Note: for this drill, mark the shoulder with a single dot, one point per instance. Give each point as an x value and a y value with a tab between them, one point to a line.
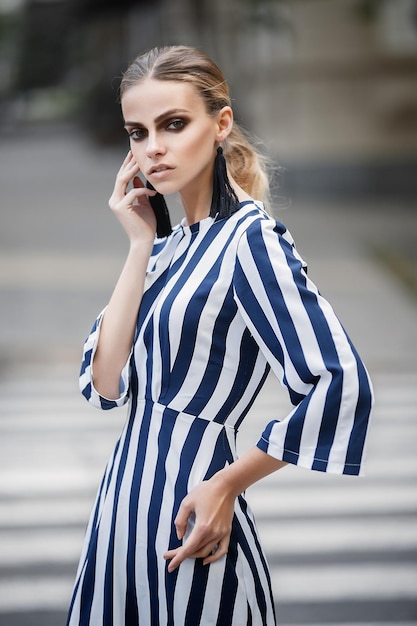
250	219
263	235
257	222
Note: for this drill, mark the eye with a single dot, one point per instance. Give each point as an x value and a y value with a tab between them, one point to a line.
138	134
176	124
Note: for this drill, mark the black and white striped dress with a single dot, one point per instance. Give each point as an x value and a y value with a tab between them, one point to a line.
225	301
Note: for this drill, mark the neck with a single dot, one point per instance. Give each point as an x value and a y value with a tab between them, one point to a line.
196	204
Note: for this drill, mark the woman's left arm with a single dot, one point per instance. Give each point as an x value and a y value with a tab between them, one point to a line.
311	355
309	352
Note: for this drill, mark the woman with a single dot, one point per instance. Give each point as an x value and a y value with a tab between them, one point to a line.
195	323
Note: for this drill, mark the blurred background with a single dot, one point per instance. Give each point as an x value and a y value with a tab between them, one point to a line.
330	89
328	84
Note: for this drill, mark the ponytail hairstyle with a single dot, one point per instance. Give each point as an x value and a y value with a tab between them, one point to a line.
245	163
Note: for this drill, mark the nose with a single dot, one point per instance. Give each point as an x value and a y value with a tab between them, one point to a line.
154	145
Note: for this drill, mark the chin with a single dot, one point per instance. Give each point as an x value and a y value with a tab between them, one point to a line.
166	188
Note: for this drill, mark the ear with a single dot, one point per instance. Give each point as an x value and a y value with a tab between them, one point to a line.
224	123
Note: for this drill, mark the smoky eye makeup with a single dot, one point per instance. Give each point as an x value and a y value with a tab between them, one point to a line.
137	134
177	124
170	121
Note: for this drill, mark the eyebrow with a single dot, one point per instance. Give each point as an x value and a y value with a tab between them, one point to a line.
161	117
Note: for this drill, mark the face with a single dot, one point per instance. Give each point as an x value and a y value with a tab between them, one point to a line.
172	137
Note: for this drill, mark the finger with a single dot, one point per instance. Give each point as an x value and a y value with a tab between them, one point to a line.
123	178
217	551
174	556
129	160
128	163
196	546
183	518
178	555
126	160
136	193
202	551
126	175
170	554
210	552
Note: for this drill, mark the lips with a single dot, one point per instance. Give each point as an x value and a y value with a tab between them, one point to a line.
159	169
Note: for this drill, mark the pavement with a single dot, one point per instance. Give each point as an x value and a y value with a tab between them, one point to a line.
342	550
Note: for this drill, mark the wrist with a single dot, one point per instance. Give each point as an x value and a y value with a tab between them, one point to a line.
228	481
254	465
141	249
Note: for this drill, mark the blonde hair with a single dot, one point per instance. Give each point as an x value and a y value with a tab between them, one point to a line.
245	163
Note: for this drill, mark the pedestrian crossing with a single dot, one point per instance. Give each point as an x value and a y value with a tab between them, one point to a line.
342	550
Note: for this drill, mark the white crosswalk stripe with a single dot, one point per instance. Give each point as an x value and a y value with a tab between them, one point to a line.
342	550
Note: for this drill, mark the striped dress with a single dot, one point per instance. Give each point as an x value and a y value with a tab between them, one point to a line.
225	301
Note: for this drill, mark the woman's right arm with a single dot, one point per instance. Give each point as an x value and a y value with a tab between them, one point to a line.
119	321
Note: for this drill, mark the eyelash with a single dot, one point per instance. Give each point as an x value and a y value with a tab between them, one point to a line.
178	124
134	135
175	125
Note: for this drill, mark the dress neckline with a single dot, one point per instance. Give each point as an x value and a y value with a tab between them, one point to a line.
197	227
205	223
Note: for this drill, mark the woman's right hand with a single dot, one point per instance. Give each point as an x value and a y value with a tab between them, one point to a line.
132	208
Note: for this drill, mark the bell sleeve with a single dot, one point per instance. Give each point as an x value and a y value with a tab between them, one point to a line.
86	374
308	351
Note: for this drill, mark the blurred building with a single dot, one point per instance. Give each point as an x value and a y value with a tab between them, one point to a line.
329	85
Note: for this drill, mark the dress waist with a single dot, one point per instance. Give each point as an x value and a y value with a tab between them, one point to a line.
170	413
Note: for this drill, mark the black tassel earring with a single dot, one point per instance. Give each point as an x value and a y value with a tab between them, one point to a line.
225	201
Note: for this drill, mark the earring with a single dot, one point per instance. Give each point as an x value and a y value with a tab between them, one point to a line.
225	201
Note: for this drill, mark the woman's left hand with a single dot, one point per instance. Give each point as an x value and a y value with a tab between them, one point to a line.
212	508
212	503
